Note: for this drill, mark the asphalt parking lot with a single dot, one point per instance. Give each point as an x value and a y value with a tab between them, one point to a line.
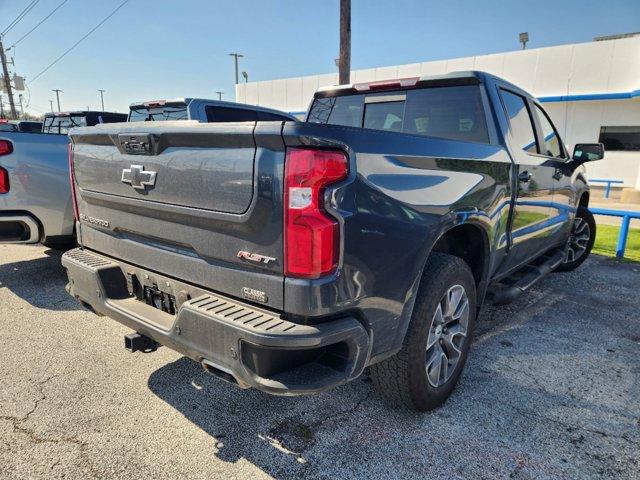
552	390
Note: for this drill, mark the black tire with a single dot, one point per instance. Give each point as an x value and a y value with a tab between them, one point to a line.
584	218
403	378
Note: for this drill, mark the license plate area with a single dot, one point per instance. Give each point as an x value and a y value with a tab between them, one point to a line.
156	298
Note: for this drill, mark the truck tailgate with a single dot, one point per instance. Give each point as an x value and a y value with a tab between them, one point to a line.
186	199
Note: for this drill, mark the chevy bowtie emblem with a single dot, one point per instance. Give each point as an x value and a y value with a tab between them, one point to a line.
138	178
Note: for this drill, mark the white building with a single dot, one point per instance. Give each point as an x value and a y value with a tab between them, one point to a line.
591	90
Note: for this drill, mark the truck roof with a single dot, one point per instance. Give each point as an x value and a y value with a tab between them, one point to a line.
80	112
475	76
208	101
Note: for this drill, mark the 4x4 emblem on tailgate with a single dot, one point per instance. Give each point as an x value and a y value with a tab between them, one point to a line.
138	178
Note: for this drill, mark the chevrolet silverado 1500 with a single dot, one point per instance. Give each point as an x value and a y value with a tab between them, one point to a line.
289	256
202	110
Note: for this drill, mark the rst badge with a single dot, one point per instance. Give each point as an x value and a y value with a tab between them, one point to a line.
255	257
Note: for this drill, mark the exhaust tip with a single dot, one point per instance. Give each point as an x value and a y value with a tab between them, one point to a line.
222	373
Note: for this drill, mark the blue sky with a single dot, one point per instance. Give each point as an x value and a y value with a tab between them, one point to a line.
162	49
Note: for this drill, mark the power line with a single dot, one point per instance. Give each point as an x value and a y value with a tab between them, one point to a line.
20	16
79	41
39	23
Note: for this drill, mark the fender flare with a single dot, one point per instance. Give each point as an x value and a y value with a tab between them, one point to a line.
451	222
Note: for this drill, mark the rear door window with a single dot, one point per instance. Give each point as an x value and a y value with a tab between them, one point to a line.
520	122
271	117
224	114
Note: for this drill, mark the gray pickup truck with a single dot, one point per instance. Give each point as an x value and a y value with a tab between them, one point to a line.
202	110
289	256
37	205
35	200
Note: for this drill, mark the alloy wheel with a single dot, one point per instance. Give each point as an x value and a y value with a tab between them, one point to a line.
578	240
447	334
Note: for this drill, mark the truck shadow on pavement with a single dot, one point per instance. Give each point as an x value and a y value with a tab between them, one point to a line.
548	392
39	281
273	433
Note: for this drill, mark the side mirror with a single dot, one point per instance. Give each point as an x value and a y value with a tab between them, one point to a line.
588	152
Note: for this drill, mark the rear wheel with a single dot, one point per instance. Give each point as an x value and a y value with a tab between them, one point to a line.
580	241
422	375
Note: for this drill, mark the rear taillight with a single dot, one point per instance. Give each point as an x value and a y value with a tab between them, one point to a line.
311	235
4	181
72	181
6	147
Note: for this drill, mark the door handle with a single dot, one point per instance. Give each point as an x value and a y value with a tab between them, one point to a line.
524	177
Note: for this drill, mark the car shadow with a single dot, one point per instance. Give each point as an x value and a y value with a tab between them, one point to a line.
510	389
40	282
273	433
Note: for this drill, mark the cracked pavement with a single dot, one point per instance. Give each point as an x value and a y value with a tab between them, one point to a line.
551	391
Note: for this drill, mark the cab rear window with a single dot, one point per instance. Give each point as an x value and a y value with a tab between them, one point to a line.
62	124
455	112
158	113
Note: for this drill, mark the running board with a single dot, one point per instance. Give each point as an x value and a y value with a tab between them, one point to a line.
508	289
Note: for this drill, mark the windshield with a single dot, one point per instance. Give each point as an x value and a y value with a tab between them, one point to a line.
158	113
62	124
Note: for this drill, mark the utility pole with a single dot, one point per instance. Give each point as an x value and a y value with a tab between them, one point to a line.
102	98
51	103
344	67
7	81
219	95
57	90
235	56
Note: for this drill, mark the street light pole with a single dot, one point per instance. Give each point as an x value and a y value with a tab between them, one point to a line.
51	103
7	80
344	67
57	90
21	107
219	95
235	56
102	98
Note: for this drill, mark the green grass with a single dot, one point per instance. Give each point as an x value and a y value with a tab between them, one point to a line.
607	239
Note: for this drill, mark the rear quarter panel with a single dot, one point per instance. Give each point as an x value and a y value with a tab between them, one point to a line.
403	192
